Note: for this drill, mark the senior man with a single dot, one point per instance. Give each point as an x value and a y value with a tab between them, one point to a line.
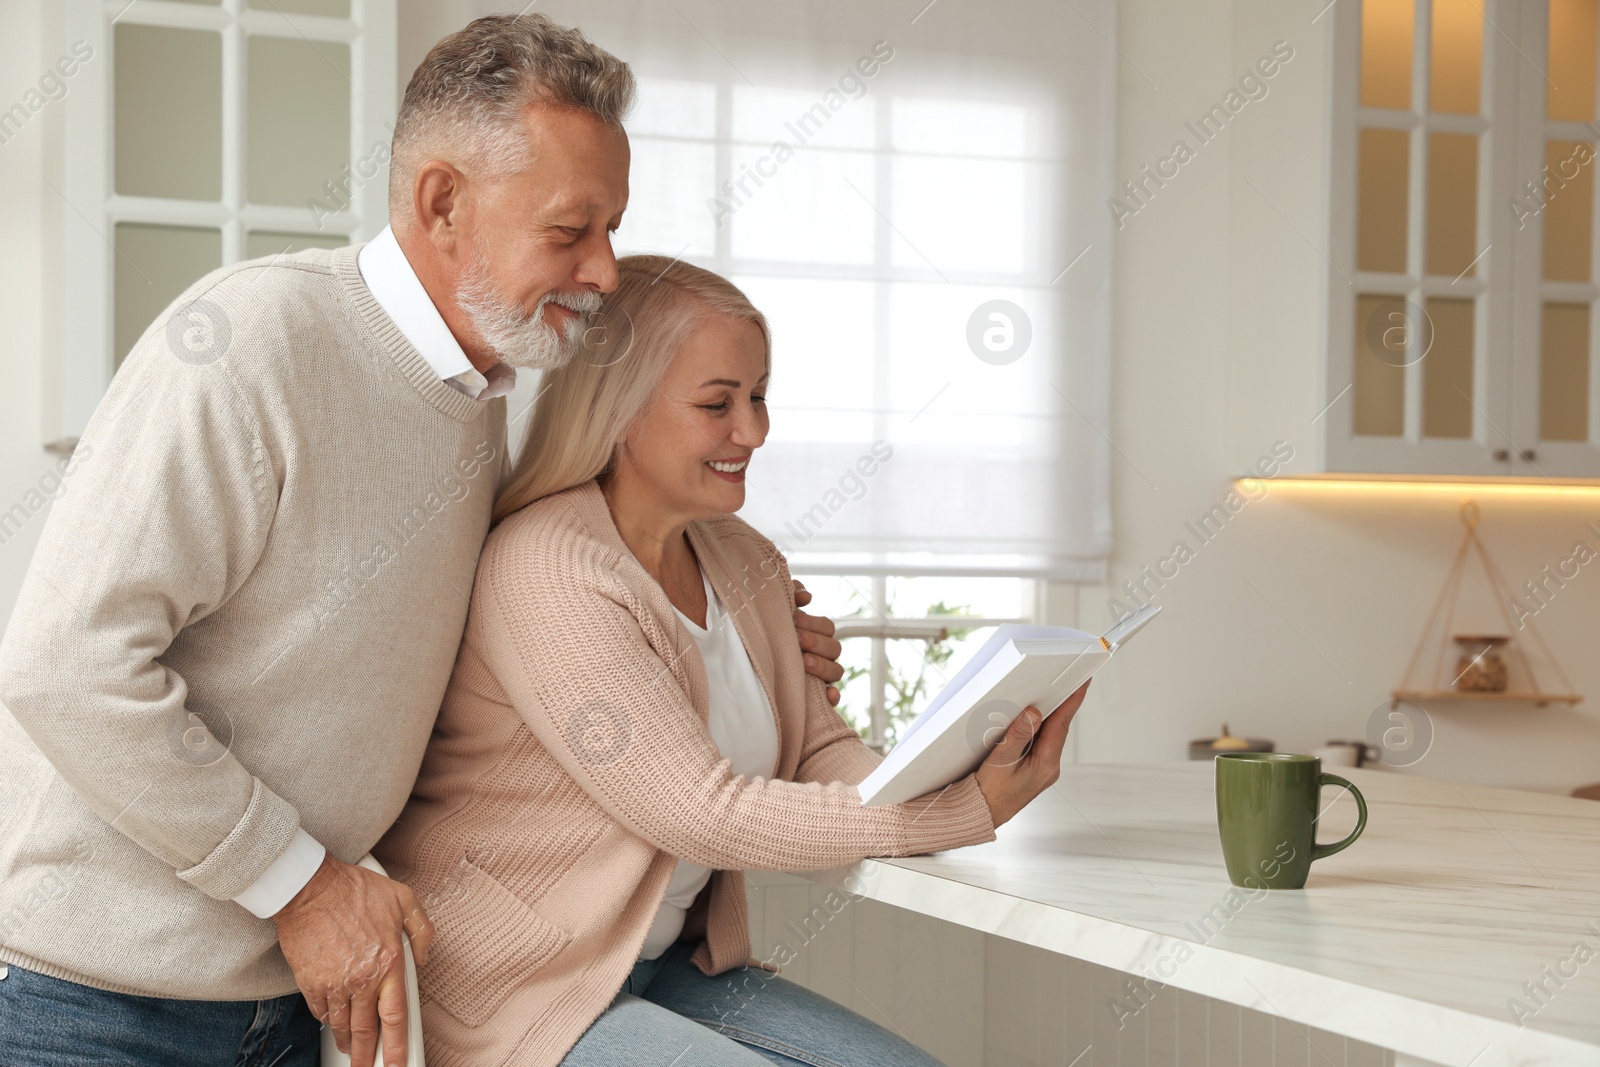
233	639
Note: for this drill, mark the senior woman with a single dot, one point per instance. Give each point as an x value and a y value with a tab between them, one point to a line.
629	726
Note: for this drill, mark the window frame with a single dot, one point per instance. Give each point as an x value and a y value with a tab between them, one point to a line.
94	209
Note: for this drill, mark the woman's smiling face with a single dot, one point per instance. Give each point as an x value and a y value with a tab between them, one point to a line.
691	448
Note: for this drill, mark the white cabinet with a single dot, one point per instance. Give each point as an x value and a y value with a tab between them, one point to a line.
1461	326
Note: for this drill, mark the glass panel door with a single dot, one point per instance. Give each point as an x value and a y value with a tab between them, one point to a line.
153	265
163	73
1420	336
213	131
299	118
1556	401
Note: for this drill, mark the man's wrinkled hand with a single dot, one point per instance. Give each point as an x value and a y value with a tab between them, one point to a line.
819	651
342	937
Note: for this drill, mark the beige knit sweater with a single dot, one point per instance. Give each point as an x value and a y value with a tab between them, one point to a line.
240	620
571	767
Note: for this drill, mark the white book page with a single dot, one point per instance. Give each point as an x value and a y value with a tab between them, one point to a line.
962	730
1010	631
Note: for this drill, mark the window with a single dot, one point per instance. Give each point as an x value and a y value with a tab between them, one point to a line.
1462	290
811	231
200	134
905	637
919	210
888	238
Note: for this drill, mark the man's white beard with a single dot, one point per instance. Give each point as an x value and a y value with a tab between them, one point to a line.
522	339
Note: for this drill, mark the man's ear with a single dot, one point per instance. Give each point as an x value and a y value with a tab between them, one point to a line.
438	198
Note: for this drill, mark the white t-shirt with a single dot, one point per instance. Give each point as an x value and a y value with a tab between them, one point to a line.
745	732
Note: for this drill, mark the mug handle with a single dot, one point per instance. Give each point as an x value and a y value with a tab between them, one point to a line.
1319	851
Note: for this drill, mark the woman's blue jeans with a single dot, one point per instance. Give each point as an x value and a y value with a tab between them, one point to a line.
668	1014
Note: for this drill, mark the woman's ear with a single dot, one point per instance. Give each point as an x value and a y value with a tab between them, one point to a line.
618	451
631	435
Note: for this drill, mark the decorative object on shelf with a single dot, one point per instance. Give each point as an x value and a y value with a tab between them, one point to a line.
1480	668
1347	754
1480	671
1208	747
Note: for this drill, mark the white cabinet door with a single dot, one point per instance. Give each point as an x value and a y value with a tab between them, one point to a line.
200	134
1555	387
1420	294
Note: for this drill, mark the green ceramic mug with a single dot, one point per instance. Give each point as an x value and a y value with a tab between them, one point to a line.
1267	816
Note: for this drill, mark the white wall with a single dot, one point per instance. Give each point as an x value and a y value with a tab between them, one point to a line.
1218	309
420	24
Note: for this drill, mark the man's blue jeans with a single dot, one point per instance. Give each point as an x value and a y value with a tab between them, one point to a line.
46	1022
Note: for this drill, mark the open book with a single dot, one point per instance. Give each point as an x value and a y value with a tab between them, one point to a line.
1018	666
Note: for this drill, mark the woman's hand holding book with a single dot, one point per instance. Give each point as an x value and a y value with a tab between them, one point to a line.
1027	761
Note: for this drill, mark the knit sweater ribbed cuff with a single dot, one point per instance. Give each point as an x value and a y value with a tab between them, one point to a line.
954	816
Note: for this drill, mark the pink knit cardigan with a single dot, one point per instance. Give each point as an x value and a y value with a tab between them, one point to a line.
571	766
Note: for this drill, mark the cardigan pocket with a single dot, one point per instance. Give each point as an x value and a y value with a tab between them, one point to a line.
487	943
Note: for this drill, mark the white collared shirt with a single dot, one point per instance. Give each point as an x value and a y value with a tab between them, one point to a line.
397	289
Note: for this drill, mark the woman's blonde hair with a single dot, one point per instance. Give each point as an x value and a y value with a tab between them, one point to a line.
587	407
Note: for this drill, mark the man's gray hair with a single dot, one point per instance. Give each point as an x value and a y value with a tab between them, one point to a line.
465	102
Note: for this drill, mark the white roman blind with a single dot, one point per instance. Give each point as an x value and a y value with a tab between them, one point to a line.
918	204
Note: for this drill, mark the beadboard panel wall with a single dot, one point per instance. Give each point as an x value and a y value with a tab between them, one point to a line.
974	1000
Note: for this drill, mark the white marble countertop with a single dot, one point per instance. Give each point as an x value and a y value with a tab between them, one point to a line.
1417	938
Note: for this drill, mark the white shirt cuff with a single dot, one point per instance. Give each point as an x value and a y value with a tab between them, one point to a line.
288	875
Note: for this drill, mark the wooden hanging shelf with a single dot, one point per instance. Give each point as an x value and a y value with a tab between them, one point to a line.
1438	689
1541	699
